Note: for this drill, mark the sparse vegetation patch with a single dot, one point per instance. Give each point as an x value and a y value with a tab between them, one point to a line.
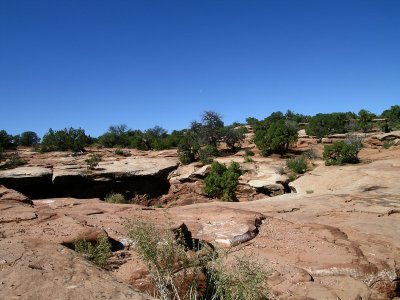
97	253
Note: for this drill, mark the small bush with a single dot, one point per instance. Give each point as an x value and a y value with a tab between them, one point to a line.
66	139
222	181
248	159
207	153
162	255
241	280
176	275
116	198
343	152
98	253
13	161
248	152
119	152
388	144
93	161
297	165
280	170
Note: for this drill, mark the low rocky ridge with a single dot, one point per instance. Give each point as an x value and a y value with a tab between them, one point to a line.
69	176
336	238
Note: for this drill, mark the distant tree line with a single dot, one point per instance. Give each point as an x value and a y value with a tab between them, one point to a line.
202	140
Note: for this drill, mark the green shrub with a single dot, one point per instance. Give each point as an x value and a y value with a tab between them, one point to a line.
297	164
322	125
248	152
98	253
161	254
28	139
242	279
188	148
67	139
6	140
119	152
222	181
280	170
207	153
388	144
177	275
248	159
93	161
275	134
343	152
116	198
13	161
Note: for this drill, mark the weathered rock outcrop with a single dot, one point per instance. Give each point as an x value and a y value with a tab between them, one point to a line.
130	176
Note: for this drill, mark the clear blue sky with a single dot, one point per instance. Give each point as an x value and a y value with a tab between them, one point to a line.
93	63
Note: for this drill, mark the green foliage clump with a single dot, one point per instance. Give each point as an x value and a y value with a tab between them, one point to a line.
343	152
387	144
242	279
13	161
207	153
188	148
93	161
167	253
222	181
248	152
28	139
248	159
97	253
233	137
322	125
119	151
62	140
275	134
364	122
392	116
6	140
297	164
116	198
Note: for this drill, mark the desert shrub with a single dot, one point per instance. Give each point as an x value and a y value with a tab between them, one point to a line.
222	181
275	134
6	140
207	153
188	148
119	152
311	154
67	139
297	164
233	137
322	125
13	161
28	139
116	135
387	144
280	170
97	253
93	161
1	154
248	152
343	152
176	275
116	198
248	159
161	254
364	122
392	116
242	279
